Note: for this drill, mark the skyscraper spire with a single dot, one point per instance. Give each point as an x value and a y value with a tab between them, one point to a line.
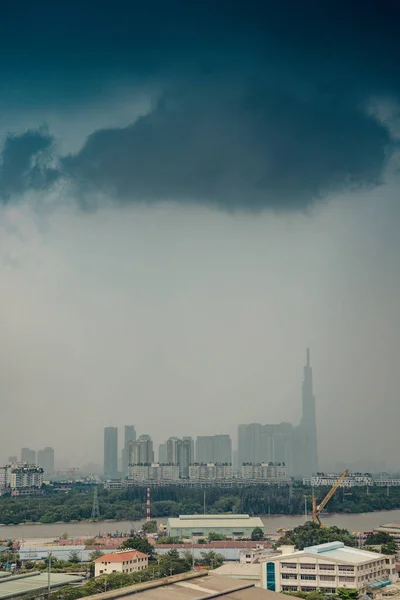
307	430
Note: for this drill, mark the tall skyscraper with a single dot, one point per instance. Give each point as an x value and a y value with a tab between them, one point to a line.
307	430
222	449
179	452
214	449
294	446
111	451
28	456
190	440
130	436
205	449
141	451
45	459
171	446
162	454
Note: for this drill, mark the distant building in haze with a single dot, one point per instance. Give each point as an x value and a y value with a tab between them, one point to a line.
162	454
180	452
214	449
130	436
294	446
141	451
28	456
45	459
110	451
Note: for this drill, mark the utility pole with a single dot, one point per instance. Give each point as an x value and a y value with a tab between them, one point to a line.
48	575
95	508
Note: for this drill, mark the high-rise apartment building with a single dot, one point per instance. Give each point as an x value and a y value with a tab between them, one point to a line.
45	459
222	449
110	452
180	452
140	452
284	443
190	440
214	449
130	436
171	447
162	454
205	449
28	456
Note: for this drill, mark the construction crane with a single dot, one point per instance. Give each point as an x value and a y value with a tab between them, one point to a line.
318	508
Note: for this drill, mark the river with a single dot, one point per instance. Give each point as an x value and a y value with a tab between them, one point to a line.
353	522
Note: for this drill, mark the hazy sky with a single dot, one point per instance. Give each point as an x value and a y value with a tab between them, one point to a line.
191	194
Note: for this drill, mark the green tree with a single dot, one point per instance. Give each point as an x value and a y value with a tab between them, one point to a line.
377	538
347	594
211	559
95	554
138	543
257	534
74	557
389	548
150	527
310	534
213	536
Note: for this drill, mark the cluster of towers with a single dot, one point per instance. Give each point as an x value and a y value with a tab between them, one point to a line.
295	446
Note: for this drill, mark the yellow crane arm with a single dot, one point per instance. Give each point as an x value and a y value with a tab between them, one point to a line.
332	491
318	509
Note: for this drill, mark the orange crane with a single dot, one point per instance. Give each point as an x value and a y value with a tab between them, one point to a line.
318	508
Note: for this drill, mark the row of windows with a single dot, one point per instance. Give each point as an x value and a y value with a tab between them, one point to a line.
295	588
313	566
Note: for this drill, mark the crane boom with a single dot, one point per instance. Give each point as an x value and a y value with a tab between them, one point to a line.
318	508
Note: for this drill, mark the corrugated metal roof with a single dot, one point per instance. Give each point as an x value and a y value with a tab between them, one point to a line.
337	552
15	586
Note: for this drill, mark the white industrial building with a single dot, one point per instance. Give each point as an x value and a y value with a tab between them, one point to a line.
192	526
327	567
126	561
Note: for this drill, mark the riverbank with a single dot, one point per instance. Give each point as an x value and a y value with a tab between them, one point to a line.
352	522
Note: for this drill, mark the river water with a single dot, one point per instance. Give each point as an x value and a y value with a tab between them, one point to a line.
353	522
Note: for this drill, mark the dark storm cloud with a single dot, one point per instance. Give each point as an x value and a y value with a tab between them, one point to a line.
23	165
263	104
254	148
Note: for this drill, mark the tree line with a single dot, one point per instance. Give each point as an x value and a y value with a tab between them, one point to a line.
129	504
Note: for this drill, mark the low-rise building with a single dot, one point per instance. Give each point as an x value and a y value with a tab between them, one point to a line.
329	479
153	472
192	526
210	471
327	567
125	561
272	471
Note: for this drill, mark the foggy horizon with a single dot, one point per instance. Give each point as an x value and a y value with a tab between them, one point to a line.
187	203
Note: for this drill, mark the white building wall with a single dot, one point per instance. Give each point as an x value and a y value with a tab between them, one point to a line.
306	572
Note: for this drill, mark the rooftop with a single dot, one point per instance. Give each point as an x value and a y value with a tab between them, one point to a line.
338	551
192	586
16	586
217	521
121	556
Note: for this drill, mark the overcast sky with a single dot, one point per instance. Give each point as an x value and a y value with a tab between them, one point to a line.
191	194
